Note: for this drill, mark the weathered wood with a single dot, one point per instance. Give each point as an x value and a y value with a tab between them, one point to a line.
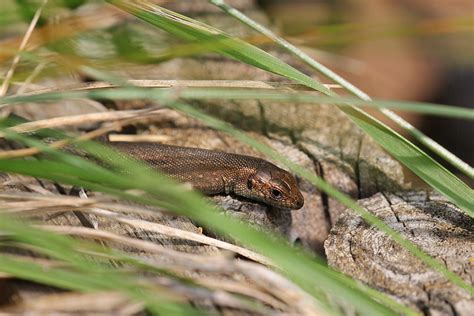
429	221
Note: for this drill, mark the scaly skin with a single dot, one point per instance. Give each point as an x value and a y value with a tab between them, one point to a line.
216	172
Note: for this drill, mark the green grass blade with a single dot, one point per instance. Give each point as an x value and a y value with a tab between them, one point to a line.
304	97
432	172
217	93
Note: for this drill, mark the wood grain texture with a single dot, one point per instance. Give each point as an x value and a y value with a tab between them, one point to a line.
429	221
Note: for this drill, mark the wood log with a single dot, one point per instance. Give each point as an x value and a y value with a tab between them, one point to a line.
428	220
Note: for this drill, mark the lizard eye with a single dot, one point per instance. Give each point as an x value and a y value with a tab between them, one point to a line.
276	194
249	184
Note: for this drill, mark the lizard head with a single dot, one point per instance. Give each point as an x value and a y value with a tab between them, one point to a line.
275	186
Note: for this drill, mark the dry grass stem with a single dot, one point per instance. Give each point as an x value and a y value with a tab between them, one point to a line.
104	302
144	83
143	245
48	203
242	288
179	233
58	204
77	120
86	20
138	138
112	126
26	38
